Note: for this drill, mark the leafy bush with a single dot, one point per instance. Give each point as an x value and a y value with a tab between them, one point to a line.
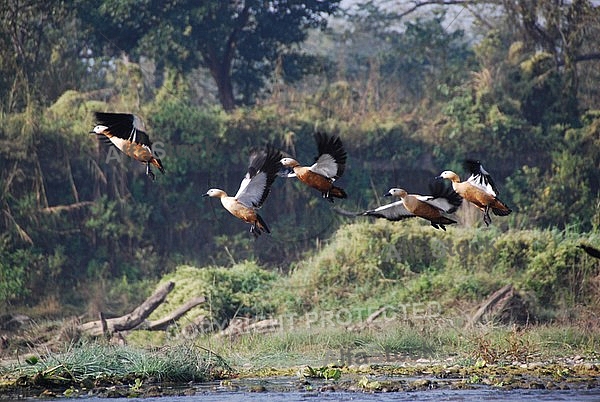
384	263
229	292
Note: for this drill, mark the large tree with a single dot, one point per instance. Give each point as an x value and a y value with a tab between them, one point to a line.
39	41
239	41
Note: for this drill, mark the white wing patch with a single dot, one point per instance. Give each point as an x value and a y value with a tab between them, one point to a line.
482	183
325	166
119	142
393	211
252	189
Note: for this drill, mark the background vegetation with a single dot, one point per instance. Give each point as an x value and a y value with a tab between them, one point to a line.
411	93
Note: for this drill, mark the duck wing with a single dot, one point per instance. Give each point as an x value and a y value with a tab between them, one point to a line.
480	177
124	125
394	211
262	171
331	160
443	196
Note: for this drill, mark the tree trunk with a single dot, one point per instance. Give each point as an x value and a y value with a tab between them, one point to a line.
222	77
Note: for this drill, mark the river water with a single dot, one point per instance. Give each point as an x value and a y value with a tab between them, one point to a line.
287	389
486	395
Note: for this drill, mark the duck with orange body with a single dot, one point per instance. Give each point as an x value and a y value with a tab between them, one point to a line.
254	189
329	165
434	208
126	132
479	189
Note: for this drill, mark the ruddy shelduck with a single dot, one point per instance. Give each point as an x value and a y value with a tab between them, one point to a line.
479	189
434	208
126	132
254	189
329	165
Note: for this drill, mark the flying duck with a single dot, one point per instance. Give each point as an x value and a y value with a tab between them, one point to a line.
254	189
126	132
479	189
329	165
443	200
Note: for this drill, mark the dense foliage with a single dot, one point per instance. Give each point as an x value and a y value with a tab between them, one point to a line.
409	98
406	268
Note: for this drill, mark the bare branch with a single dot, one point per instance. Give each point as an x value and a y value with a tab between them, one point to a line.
164	322
131	320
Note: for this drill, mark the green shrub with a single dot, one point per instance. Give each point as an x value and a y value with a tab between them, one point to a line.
229	292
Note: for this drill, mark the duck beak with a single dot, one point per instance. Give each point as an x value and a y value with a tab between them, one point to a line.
388	194
205	195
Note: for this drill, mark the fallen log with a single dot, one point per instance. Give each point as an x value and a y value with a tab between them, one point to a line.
504	306
164	322
131	320
242	326
368	323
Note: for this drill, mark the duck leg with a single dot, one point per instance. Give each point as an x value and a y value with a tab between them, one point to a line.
149	172
438	226
328	196
255	230
486	216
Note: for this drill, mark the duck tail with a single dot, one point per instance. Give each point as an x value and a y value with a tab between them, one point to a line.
260	225
156	162
499	208
338	192
439	222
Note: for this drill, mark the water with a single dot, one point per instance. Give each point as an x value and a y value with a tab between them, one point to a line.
487	395
287	389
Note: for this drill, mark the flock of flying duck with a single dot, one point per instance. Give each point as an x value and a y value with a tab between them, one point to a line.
126	132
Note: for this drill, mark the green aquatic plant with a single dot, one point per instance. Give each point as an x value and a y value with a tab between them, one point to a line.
326	372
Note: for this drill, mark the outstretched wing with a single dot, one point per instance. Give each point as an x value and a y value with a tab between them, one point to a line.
394	211
443	196
262	171
331	160
480	177
124	125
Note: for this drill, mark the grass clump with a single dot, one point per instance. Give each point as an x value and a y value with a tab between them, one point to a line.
107	363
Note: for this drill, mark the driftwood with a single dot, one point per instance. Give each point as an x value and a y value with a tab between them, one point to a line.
241	326
137	318
369	322
164	322
504	305
375	315
131	320
12	322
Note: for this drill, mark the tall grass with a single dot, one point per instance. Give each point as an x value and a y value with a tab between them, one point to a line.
400	343
95	361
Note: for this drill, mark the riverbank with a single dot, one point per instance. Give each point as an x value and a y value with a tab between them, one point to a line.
396	358
409	377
